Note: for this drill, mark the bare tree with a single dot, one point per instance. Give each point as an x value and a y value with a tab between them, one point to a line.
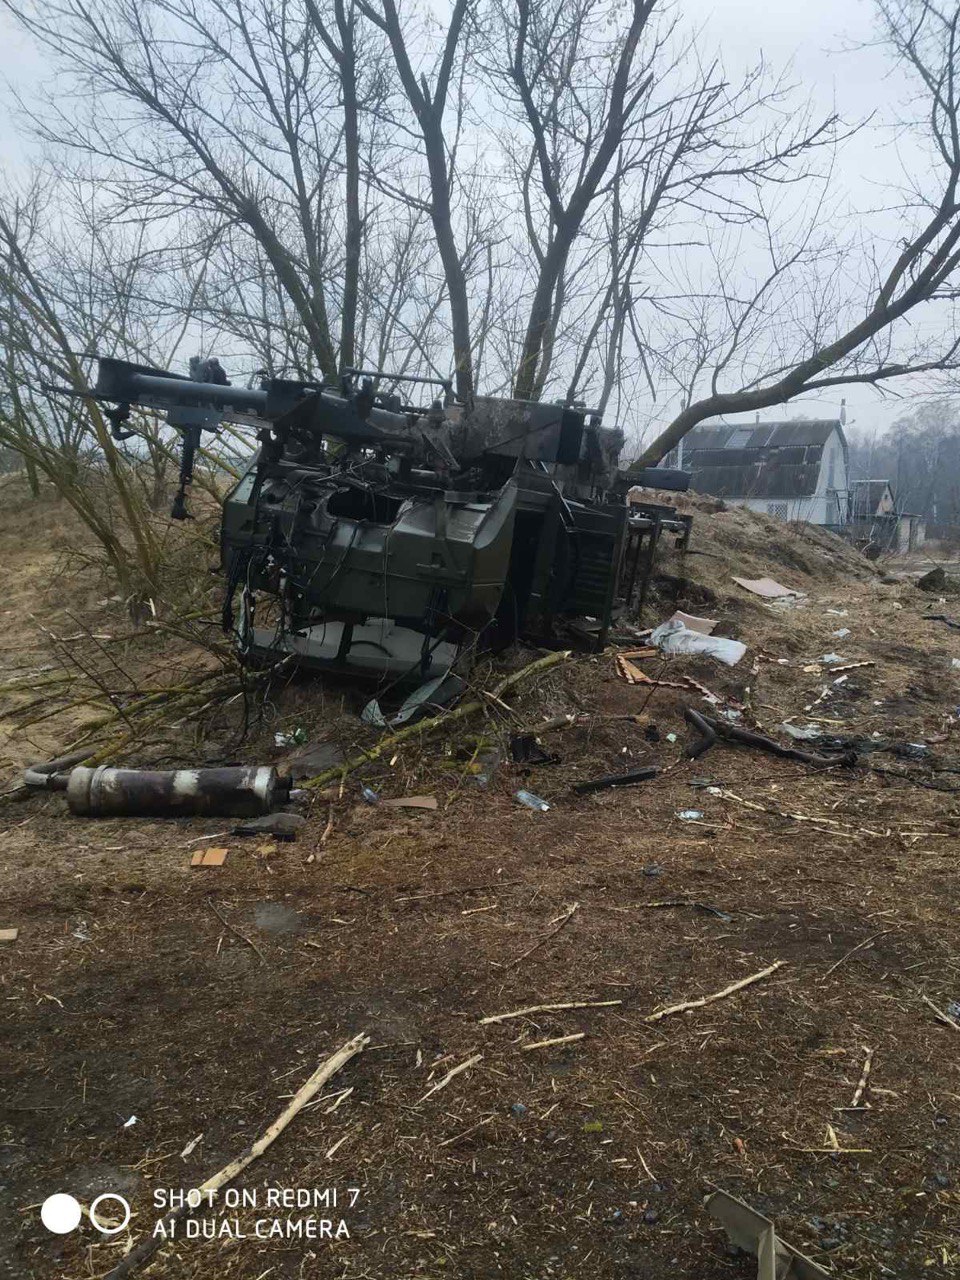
429	102
243	112
867	341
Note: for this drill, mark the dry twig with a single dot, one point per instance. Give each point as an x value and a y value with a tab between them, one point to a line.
548	1044
548	1008
717	995
454	1071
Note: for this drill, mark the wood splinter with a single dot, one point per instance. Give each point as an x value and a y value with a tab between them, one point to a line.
864	1077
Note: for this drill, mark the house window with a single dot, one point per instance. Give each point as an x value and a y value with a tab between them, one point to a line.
777	509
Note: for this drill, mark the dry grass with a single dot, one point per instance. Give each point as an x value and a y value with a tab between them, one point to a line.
125	994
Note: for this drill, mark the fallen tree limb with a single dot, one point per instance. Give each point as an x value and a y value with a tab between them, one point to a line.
717	995
426	727
148	1247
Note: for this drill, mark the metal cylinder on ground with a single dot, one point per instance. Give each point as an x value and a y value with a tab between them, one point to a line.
239	792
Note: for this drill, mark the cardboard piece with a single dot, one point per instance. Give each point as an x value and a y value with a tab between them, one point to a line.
766	587
706	626
9	935
410	802
209	858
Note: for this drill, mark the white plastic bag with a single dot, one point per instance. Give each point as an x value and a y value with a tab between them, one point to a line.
674	637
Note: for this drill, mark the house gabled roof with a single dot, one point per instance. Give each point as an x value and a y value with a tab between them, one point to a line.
866	495
762	460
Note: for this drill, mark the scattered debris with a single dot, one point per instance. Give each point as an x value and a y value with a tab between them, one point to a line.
313	759
690	815
548	1008
433	696
190	1147
410	802
294	739
802	732
745	737
674	637
368	794
128	1124
282	825
563	920
942	617
616	780
209	858
751	1231
840	634
864	1078
442	721
766	587
526	749
531	801
686	902
9	935
717	995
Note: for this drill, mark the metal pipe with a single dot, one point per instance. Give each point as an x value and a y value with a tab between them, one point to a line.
186	391
235	792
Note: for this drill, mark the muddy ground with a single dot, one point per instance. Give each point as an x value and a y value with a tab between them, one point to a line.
199	1000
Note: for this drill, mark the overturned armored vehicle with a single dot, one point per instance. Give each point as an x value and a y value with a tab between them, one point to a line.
379	535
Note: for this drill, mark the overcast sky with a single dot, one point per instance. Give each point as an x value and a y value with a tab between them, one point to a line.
820	40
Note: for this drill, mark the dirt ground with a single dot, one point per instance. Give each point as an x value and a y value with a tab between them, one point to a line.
199	999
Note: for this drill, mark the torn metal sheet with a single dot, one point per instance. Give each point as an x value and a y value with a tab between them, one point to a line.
750	1230
436	693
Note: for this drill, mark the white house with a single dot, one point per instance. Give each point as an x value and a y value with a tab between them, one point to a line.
790	470
876	523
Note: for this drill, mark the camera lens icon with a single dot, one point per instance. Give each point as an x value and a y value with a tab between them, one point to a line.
109	1230
61	1213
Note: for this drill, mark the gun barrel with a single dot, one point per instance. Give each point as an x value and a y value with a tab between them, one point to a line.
145	388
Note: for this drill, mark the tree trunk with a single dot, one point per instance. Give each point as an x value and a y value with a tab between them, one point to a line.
354	226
